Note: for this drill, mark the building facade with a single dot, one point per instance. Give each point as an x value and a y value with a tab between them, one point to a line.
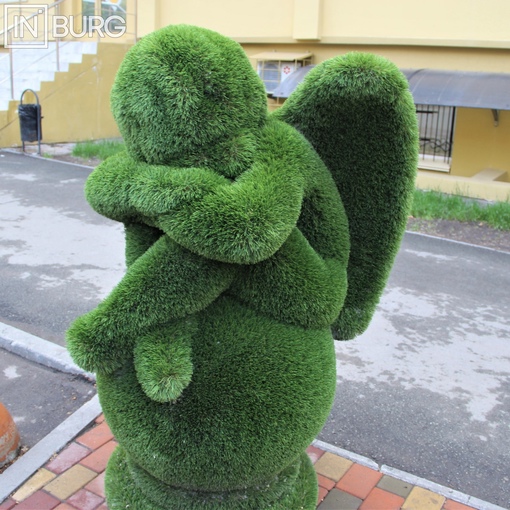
440	46
465	147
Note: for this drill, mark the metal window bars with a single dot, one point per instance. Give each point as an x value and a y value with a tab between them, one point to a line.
436	127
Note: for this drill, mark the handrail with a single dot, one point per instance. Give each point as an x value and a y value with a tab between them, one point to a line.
6	35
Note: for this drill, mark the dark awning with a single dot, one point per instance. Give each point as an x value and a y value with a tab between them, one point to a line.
459	88
436	87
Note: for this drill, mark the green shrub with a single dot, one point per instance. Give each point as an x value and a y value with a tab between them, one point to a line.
98	149
432	205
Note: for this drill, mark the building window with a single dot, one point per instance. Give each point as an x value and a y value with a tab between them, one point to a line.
113	12
436	125
274	67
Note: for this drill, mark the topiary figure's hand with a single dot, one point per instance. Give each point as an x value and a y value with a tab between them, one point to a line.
90	339
166	283
163	360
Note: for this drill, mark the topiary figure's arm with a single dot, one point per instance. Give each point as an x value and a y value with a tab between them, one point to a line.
310	289
357	112
167	282
139	238
133	192
241	222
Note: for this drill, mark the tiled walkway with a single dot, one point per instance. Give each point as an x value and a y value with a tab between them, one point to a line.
74	480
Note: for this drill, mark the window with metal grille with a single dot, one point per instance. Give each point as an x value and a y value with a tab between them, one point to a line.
436	124
274	67
270	72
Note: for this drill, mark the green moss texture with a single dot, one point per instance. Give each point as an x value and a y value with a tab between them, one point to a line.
248	236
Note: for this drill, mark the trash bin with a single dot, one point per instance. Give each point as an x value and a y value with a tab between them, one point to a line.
30	121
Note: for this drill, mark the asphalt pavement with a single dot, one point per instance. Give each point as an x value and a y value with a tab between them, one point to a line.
424	390
427	387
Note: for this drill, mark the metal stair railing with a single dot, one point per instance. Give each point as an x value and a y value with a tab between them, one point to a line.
7	35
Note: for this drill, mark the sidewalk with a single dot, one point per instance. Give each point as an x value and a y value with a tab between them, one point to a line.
74	479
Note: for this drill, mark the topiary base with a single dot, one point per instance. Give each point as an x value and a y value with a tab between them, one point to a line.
128	486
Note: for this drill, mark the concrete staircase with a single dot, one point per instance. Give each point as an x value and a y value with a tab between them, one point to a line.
34	66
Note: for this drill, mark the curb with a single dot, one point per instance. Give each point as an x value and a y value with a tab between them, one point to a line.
452	494
456	242
36	156
442	490
38	455
358	459
40	351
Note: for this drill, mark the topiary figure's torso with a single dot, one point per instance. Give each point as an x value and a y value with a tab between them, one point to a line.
214	354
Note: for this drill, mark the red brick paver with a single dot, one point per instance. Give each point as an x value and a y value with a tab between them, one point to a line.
97	461
325	482
7	504
322	494
359	481
97	485
68	458
382	500
453	505
314	453
40	500
96	437
85	500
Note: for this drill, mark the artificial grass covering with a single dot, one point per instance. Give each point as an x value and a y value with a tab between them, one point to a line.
247	237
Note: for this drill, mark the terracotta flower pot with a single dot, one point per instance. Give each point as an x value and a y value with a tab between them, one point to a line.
9	437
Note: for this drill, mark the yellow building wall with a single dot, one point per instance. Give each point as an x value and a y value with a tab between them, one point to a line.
455	35
261	19
76	106
405	57
474	23
479	144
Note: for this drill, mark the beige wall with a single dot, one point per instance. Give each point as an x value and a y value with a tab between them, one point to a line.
464	22
76	106
470	35
473	23
479	144
458	59
263	19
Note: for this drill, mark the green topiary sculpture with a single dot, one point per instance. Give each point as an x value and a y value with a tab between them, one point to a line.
214	355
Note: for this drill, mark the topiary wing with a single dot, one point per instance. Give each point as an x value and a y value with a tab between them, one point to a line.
357	112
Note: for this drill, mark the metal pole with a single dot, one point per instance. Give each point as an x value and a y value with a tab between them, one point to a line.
11	64
135	16
57	39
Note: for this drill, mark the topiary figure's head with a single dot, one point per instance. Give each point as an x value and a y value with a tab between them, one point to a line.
189	96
